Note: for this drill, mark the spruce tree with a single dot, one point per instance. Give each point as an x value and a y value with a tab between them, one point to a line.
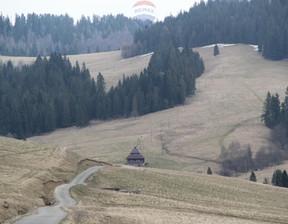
266	116
284	179
277	178
216	50
275	109
284	110
209	171
101	112
271	110
253	177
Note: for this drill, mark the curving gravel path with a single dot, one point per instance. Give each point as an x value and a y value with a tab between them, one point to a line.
54	214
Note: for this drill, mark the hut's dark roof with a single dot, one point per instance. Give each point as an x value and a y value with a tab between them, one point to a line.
135	154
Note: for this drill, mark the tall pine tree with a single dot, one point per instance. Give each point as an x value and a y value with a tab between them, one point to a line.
216	50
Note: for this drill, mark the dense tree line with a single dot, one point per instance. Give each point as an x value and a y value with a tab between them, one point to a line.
34	34
280	178
259	22
168	80
275	116
45	95
51	93
272	111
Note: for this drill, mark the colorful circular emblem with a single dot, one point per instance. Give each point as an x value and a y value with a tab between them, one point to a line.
144	10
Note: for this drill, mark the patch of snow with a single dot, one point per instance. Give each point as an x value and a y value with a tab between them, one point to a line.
255	47
140	56
219	45
146	55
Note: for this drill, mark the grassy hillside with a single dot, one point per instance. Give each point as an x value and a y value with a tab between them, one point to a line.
226	107
110	64
29	173
175	197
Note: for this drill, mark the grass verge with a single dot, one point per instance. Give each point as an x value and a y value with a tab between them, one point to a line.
180	196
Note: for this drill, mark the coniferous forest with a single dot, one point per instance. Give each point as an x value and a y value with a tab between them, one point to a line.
275	117
51	93
258	22
34	35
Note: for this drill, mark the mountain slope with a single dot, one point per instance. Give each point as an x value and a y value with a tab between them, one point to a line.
226	107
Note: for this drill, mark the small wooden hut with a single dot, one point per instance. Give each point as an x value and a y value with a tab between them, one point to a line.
135	157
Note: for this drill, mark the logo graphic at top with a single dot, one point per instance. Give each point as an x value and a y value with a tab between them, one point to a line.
144	10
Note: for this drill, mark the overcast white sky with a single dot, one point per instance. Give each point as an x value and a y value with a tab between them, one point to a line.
77	8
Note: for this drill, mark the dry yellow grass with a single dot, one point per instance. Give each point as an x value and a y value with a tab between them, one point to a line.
110	64
227	106
30	172
176	197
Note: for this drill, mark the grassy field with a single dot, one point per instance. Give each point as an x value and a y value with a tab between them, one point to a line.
226	107
175	197
110	64
29	174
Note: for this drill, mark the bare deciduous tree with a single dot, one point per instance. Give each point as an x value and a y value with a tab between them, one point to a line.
237	158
